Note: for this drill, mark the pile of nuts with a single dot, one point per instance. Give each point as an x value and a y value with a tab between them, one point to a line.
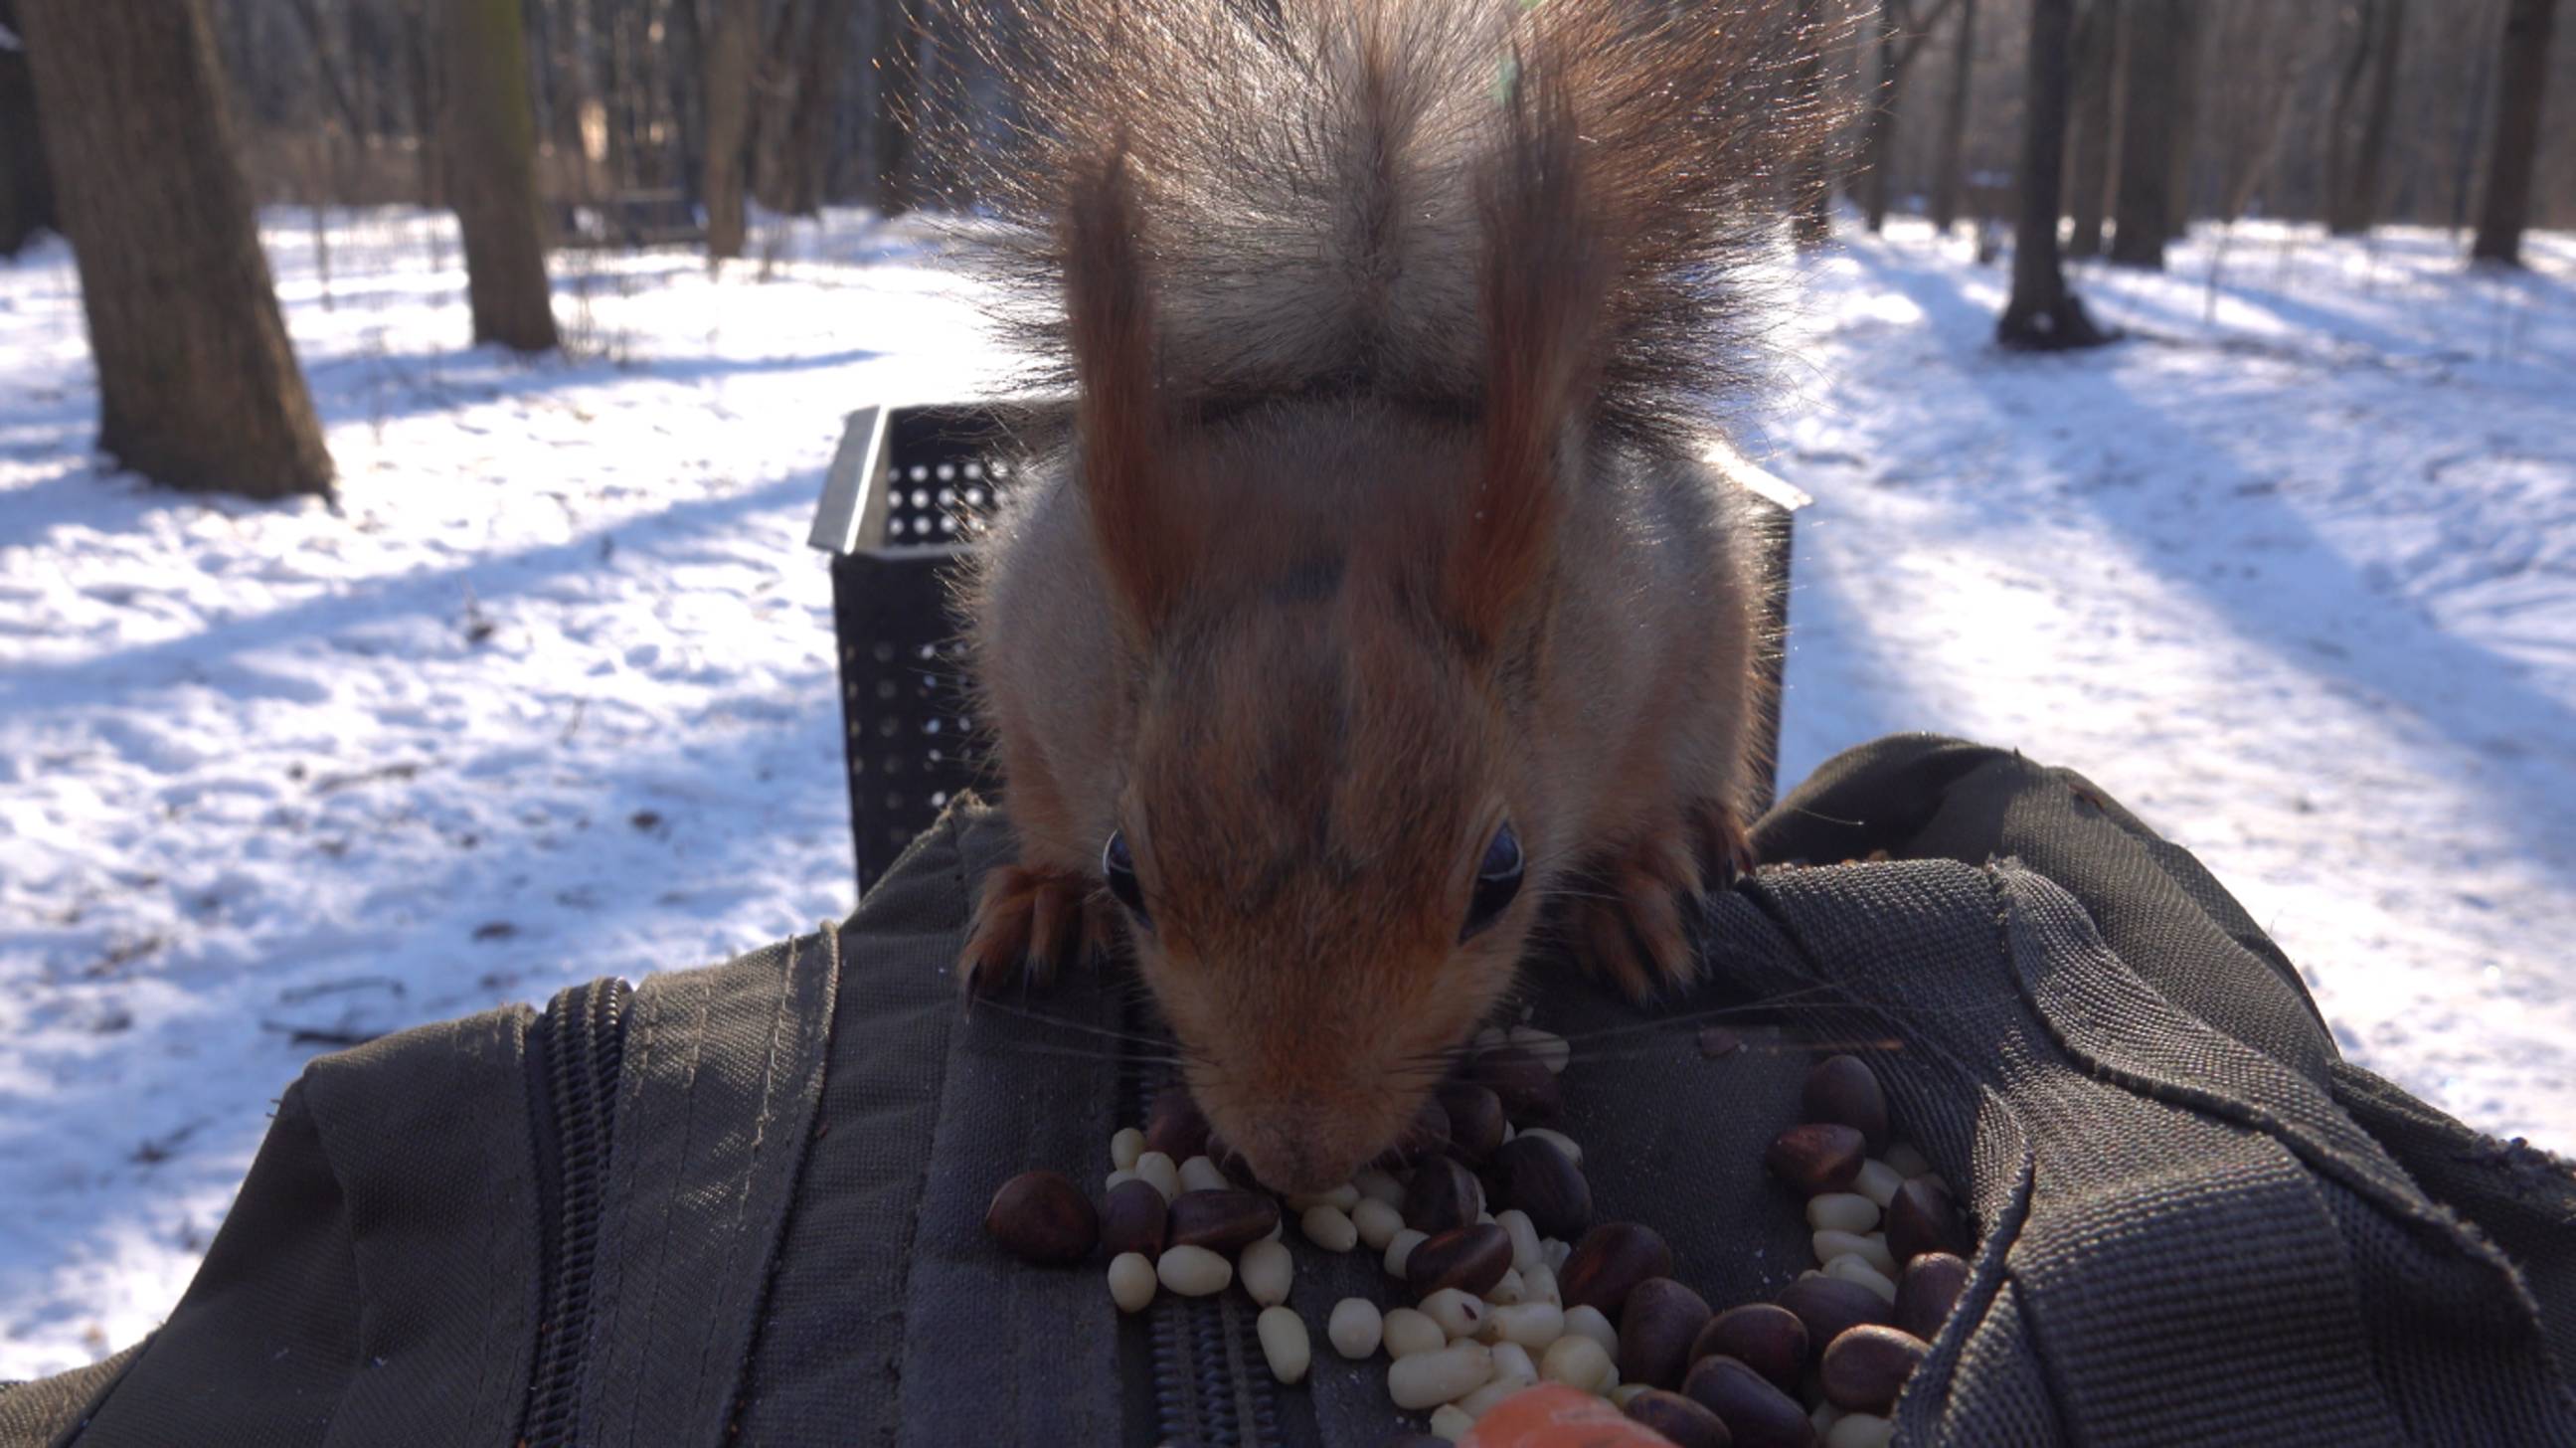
1484	1215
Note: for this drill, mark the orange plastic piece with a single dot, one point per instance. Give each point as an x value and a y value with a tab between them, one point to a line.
1552	1415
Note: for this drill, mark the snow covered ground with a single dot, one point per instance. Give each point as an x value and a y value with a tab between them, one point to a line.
550	694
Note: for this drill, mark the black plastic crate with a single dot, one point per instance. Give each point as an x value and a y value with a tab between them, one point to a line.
899	510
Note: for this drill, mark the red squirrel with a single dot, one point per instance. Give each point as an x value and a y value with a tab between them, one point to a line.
1381	620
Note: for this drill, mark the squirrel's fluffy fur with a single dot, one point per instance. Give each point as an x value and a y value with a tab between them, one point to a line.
1383	529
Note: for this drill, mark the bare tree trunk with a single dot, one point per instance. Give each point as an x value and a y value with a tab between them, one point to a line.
197	385
2524	73
1810	216
26	186
688	76
2150	84
804	153
1954	122
1878	139
898	64
492	179
2043	314
2179	138
2362	201
2096	87
729	63
421	66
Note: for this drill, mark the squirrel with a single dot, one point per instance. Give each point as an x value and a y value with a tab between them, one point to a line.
1381	618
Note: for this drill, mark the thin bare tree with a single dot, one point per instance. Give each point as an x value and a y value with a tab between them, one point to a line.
2043	313
2523	74
490	134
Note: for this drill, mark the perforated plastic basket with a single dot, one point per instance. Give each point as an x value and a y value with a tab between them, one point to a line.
898	513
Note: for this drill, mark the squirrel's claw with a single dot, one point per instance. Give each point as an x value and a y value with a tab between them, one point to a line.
1641	931
1028	923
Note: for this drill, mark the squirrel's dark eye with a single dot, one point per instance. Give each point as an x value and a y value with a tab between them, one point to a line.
1119	869
1498	879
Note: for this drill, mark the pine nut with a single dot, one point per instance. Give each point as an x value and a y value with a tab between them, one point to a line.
1378	1186
1451	1422
1267	1270
1199	1174
1326	1227
1513	1364
1283	1343
1459	1314
1194	1271
1578	1362
1538	1284
1550	1048
1877	1181
1532	1325
1125	1147
1525	1248
1508	1291
1429	1378
1162	1171
1842	1212
1399	1249
1355	1328
1589	1322
1855	1269
1871	1249
1408	1331
1131	1281
1377	1221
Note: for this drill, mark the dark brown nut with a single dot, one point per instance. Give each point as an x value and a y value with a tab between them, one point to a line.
1135	1220
1226	1221
1532	1175
1866	1367
1815	1158
1928	1290
1476	1123
1040	1216
1829	1307
1685	1422
1425	1136
1657	1325
1442	1197
1522	1081
1174	1127
1921	1218
1843	1091
1609	1262
1764	1336
1471	1258
1756	1414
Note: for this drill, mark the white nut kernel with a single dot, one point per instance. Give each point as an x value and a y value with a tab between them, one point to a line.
1450	1422
1525	1250
1327	1228
1459	1313
1355	1327
1588	1322
1552	1254
1860	1430
1854	1269
1532	1325
1841	1212
1509	1290
1408	1332
1162	1171
1428	1378
1877	1181
1267	1271
1905	1161
1194	1271
1513	1364
1125	1147
1378	1186
1487	1398
1550	1048
1579	1363
1131	1281
1377	1222
1538	1284
1620	1395
1283	1343
1871	1249
1199	1174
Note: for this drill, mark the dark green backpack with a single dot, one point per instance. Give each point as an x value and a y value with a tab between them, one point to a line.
742	1205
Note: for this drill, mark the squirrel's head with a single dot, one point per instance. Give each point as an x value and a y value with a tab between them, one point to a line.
1332	830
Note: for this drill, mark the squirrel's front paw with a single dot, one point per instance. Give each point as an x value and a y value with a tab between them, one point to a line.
1031	921
1635	921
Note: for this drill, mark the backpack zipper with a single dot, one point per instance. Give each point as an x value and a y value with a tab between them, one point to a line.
574	1052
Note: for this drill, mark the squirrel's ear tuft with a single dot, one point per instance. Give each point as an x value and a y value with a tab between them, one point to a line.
1545	277
1120	419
